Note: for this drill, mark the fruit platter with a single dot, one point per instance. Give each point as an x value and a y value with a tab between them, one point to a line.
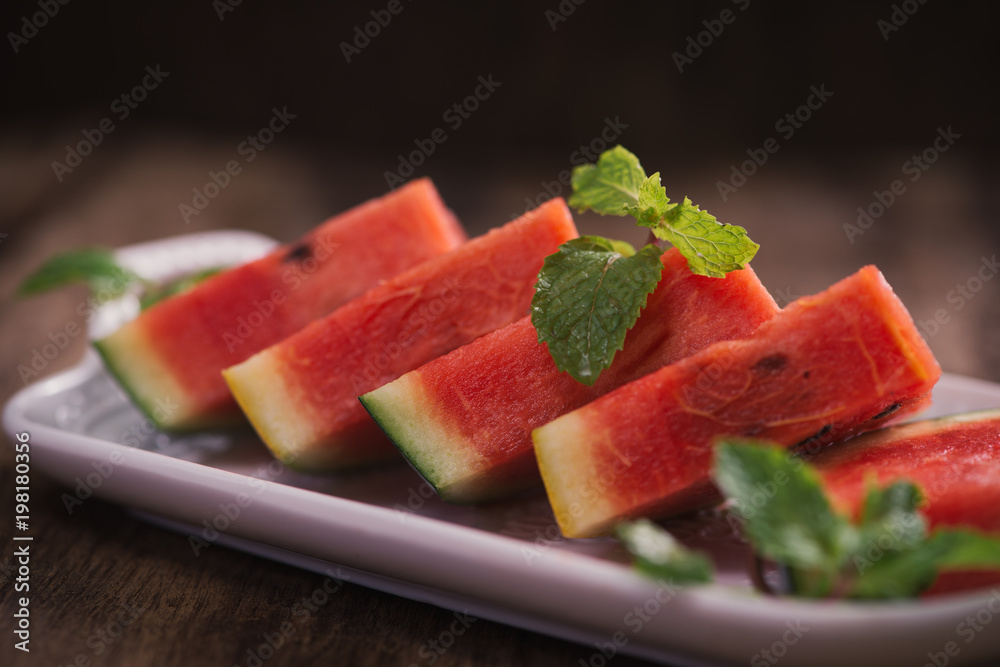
487	424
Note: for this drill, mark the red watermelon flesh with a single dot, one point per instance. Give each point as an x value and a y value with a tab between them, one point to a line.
954	460
827	367
465	419
301	395
171	357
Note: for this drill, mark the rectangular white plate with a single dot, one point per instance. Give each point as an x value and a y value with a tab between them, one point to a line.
385	529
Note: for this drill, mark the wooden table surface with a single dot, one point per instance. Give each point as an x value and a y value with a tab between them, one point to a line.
108	589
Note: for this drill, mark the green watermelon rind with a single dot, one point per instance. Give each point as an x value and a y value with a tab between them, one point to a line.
107	349
396	410
439	453
111	364
399	430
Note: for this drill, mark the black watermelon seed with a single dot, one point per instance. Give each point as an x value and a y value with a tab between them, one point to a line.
771	363
298	253
888	411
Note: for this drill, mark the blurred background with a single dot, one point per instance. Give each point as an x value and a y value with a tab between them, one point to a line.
839	134
161	97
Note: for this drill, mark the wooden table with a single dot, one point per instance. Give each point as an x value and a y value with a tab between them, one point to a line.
108	589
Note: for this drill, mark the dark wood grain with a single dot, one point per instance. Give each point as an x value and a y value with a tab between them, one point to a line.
112	590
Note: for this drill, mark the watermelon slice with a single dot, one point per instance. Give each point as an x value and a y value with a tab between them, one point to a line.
170	358
825	368
301	395
465	419
954	460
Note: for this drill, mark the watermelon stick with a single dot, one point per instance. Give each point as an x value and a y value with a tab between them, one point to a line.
170	357
826	367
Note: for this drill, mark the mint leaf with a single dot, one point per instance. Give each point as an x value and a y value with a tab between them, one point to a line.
890	560
660	556
588	296
907	572
98	269
653	202
887	554
583	335
710	247
964	549
610	186
617	185
786	513
156	293
94	267
890	520
623	248
893	574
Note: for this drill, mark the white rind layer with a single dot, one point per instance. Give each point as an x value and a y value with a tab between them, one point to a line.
563	450
442	457
258	386
134	361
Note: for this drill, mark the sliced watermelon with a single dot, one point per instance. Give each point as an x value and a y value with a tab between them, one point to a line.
301	395
465	419
170	358
827	367
954	460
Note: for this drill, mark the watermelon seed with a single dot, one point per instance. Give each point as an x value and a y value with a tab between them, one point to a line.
771	364
888	411
817	439
298	253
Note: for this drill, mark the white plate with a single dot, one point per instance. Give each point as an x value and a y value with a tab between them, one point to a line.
385	529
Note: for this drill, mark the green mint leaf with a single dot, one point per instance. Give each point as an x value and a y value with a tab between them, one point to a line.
591	317
889	560
617	185
786	514
964	549
94	267
883	575
888	554
99	271
894	573
623	248
890	520
653	202
710	247
156	293
611	186
659	555
588	296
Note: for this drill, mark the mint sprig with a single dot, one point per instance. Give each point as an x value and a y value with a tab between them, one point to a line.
98	269
94	267
805	534
581	317
588	296
710	247
154	293
618	185
887	553
610	187
659	555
